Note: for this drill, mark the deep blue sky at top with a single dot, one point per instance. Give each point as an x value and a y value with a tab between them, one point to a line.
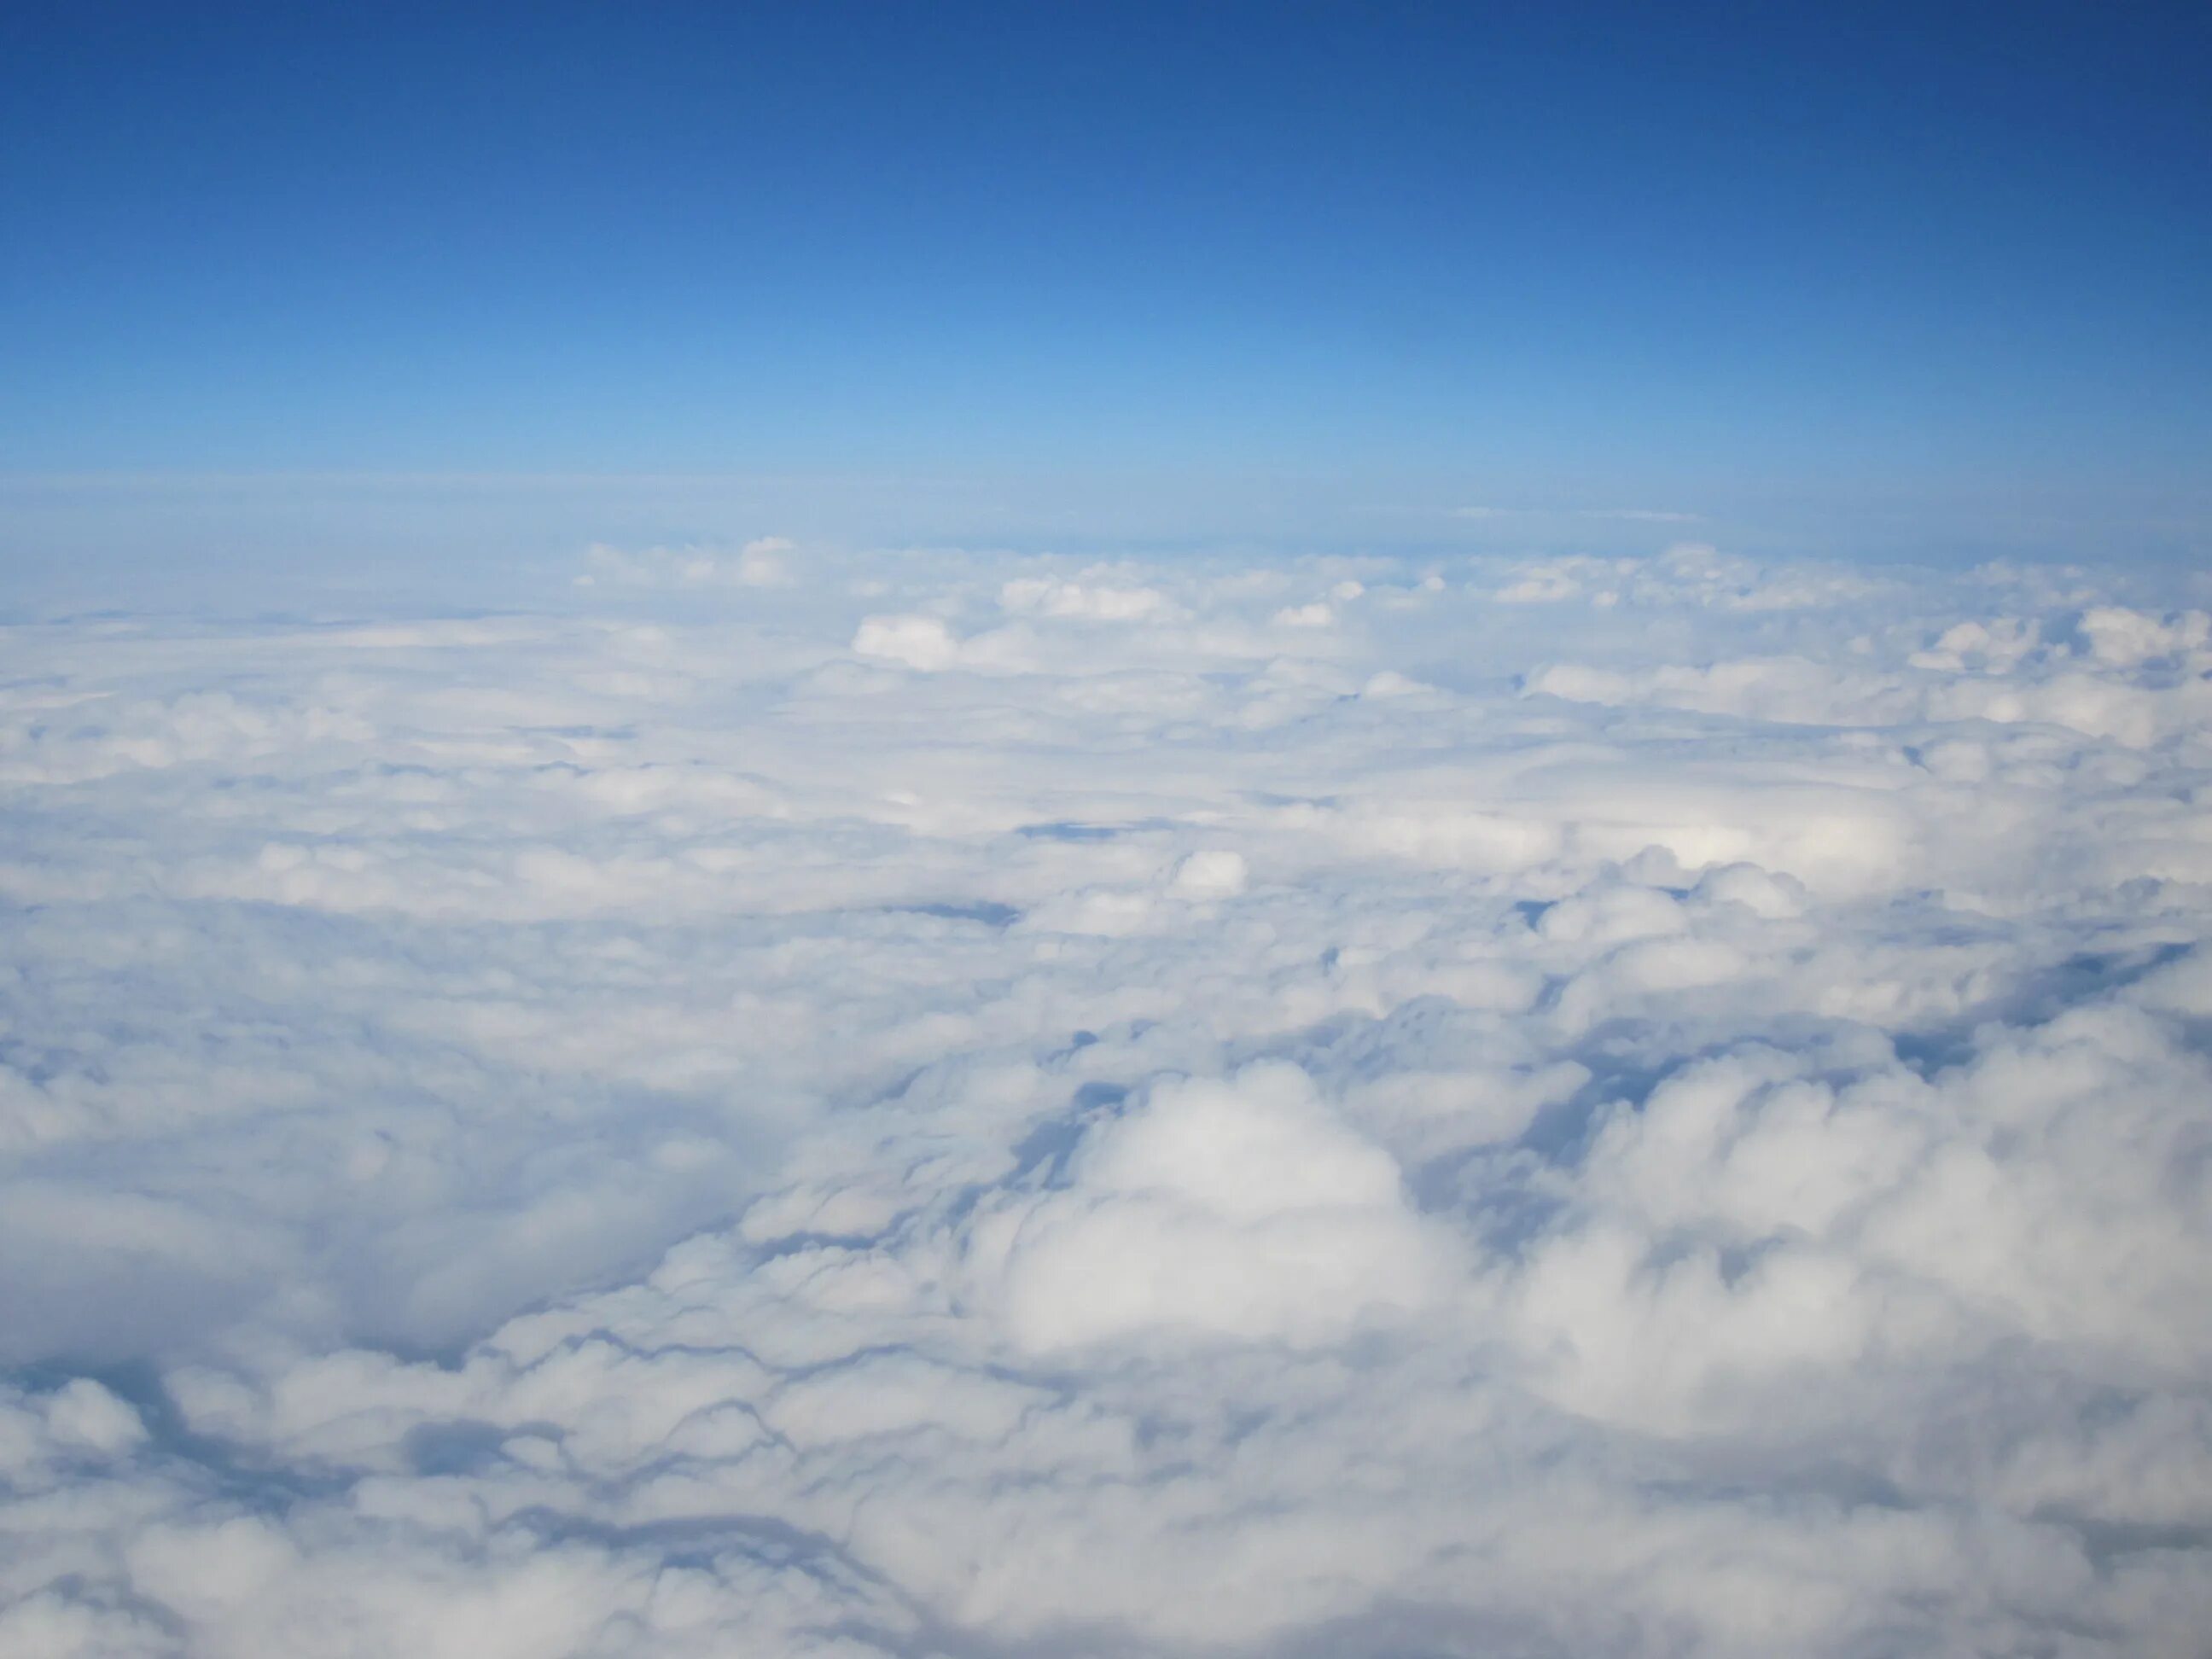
1604	247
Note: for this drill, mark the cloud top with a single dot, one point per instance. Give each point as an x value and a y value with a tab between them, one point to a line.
791	1102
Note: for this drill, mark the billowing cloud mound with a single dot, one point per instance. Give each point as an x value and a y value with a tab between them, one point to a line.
767	1104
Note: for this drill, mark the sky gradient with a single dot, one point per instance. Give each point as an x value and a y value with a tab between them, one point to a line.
1345	272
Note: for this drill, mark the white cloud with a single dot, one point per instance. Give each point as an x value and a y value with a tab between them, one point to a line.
1213	873
1240	1208
2126	638
1097	602
923	642
974	1104
764	562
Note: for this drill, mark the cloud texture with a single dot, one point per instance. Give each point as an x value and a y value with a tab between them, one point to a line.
783	1104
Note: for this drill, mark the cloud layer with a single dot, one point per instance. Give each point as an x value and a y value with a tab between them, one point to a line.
779	1103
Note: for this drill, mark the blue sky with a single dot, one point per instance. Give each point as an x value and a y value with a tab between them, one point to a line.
1938	271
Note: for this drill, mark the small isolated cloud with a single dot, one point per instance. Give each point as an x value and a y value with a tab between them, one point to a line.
1620	1106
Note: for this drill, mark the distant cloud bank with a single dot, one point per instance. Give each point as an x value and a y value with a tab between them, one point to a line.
785	1102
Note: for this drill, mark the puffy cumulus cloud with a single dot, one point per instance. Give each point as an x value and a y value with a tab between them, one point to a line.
1214	873
923	642
2125	638
1239	1208
1316	613
2109	673
932	1105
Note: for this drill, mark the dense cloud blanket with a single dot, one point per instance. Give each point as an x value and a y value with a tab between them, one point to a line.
761	1103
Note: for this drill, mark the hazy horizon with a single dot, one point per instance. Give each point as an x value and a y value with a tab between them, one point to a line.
1225	832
